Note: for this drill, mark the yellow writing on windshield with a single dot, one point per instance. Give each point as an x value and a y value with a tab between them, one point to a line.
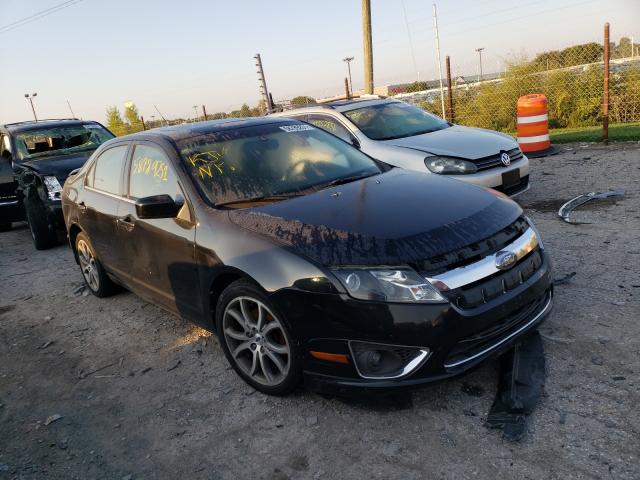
151	167
208	163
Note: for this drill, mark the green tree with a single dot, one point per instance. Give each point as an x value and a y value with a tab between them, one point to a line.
115	122
133	119
417	87
302	100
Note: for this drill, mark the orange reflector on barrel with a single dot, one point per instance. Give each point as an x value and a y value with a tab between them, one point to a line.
330	357
533	123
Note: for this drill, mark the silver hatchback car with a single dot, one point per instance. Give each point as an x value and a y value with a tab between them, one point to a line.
406	136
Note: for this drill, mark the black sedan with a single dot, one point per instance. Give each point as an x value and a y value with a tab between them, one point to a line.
308	258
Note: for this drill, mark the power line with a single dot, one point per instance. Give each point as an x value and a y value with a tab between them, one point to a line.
38	15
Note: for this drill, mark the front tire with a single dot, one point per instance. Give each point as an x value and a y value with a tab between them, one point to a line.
42	232
95	278
256	340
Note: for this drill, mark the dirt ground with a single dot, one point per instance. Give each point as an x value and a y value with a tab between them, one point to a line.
142	394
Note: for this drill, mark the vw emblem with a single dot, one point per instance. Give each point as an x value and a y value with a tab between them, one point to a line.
505	159
505	260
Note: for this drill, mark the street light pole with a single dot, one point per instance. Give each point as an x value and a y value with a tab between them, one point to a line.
479	50
30	98
348	60
195	109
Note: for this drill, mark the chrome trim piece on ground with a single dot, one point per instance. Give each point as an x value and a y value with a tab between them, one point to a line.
408	369
473	272
543	312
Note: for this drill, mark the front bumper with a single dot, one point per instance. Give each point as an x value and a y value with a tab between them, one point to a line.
11	209
492	178
458	338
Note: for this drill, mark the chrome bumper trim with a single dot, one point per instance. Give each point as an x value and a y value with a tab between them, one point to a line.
473	272
408	369
543	312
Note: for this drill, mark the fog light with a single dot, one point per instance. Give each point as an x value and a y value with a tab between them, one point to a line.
379	361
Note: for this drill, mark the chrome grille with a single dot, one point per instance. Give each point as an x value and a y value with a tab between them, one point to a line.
492	161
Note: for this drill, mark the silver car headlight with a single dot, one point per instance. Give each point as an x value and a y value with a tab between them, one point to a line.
450	165
388	285
53	187
535	230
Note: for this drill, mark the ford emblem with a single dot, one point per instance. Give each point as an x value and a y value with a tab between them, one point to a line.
505	260
505	159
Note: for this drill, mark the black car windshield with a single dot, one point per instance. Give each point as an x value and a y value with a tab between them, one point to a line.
270	162
60	140
386	121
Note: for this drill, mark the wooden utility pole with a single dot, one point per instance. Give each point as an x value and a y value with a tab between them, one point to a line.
450	110
204	113
605	96
368	46
144	127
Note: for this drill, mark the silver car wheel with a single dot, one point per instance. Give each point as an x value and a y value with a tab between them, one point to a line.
88	265
256	340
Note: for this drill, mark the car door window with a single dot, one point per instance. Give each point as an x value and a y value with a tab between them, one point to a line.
107	170
151	174
331	125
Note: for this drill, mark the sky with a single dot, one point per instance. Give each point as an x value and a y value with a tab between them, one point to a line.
177	54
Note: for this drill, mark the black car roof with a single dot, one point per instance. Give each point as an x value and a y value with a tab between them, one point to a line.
187	130
33	125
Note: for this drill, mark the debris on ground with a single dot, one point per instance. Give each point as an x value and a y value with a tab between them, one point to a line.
571	205
52	418
522	375
564	279
174	366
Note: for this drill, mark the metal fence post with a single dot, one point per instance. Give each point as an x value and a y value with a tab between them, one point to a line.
451	112
605	96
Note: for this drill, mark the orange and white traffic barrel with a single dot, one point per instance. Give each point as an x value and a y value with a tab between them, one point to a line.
533	125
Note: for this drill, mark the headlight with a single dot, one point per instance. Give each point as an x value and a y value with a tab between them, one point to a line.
535	230
449	165
388	285
53	187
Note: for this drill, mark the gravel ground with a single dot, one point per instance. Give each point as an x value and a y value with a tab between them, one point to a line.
142	394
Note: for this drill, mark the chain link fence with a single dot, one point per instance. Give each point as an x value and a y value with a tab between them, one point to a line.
572	79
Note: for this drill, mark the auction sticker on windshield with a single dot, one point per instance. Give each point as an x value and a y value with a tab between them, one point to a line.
296	128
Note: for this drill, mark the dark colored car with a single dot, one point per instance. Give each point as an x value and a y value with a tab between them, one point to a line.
308	258
35	160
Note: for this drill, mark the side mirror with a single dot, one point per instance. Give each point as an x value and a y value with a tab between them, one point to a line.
157	206
355	142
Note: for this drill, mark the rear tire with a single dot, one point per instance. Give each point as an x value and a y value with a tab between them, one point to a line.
42	231
5	227
256	340
95	278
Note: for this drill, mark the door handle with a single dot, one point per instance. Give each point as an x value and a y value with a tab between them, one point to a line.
126	223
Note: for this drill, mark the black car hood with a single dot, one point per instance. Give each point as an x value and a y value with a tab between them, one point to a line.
60	166
395	218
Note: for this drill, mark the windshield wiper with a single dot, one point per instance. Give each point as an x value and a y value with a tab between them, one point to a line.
343	180
261	198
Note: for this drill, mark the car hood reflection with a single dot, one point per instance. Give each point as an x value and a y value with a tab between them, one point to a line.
389	219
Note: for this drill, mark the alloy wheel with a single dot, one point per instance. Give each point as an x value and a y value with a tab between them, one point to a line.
256	340
88	265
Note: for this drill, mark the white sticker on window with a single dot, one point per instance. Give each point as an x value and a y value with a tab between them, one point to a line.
296	128
92	126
